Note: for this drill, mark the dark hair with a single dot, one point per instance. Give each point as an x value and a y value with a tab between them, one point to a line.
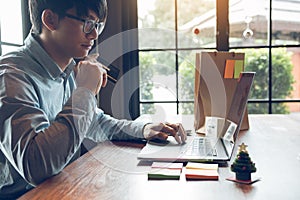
36	8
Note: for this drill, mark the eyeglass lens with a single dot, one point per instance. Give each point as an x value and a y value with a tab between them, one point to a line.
89	25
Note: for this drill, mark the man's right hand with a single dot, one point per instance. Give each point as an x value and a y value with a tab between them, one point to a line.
161	131
91	75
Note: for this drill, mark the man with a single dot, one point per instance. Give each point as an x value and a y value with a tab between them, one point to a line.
46	108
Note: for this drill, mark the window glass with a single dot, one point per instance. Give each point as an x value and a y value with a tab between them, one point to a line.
161	111
196	23
156	23
257	60
8	48
258	108
248	22
286	108
286	78
285	22
11	22
289	60
186	75
186	108
157	76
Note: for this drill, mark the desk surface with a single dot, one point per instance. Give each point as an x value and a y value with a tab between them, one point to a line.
111	170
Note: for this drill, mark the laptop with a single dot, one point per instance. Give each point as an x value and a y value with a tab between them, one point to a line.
206	149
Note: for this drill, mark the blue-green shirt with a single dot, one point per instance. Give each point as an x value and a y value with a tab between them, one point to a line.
44	118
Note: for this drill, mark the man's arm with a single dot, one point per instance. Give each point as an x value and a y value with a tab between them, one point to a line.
36	147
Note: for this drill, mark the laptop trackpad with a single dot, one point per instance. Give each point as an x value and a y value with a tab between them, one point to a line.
159	142
169	142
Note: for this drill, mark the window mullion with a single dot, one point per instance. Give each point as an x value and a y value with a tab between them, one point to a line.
222	23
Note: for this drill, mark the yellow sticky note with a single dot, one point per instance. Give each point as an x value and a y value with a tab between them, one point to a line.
238	68
229	69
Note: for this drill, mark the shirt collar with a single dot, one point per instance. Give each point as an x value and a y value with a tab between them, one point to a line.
43	58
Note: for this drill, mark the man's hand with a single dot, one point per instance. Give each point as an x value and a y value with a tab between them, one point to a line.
161	131
91	74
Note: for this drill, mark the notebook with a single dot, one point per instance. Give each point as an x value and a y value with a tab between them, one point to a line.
201	171
205	149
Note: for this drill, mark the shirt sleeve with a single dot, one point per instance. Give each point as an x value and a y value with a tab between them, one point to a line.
36	147
104	127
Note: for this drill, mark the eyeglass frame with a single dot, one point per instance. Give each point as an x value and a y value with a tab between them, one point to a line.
99	26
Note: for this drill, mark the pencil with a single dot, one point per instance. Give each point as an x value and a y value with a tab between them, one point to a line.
94	57
111	78
105	67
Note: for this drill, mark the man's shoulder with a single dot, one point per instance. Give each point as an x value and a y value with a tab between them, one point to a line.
15	57
19	60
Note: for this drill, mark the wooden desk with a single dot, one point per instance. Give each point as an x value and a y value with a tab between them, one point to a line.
111	171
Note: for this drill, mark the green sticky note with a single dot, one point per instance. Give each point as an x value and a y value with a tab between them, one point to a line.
238	68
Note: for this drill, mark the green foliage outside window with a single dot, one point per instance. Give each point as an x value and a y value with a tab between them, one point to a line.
146	74
282	78
187	75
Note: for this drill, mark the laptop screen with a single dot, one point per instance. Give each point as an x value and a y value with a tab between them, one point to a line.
240	99
238	106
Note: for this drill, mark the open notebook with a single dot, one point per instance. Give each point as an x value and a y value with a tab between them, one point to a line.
202	149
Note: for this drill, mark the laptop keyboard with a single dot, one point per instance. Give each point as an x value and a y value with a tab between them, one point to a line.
201	147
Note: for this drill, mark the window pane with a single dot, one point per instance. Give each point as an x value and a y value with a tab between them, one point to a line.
163	111
286	73
248	22
257	60
295	61
157	76
286	22
258	108
186	108
285	108
288	107
156	22
6	49
186	75
196	23
11	22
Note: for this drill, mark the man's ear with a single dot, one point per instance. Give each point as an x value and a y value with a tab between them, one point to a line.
50	19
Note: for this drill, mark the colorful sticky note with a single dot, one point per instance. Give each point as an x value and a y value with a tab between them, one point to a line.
238	68
229	69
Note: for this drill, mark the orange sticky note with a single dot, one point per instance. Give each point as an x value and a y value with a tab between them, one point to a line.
238	68
229	69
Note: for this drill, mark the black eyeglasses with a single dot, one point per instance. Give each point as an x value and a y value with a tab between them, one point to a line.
89	25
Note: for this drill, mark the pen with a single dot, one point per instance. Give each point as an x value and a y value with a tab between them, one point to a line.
109	77
93	57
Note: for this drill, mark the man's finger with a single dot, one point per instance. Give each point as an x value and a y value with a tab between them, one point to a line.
182	133
172	129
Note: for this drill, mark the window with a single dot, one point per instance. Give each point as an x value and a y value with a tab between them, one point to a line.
11	28
270	38
166	52
171	31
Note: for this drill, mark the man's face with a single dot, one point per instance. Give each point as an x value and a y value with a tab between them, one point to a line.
70	37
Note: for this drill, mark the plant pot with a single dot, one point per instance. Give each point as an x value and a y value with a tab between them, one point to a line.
243	176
